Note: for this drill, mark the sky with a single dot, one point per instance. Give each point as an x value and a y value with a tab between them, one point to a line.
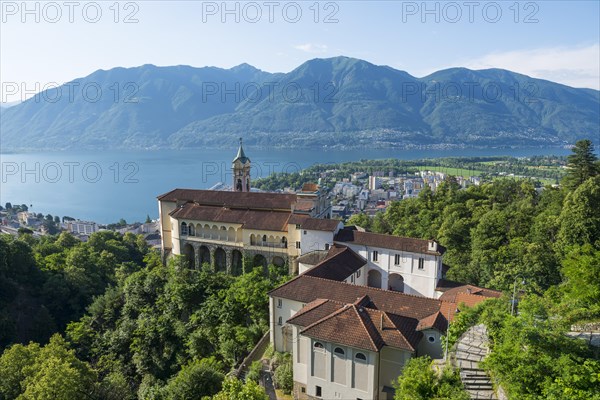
47	43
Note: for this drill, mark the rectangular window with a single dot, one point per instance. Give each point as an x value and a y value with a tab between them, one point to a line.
297	245
305	232
358	273
352	279
279	303
280	321
421	263
374	256
297	226
326	246
318	391
397	259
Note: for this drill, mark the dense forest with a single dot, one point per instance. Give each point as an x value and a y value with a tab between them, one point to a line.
105	319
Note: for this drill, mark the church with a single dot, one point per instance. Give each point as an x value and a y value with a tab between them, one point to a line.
220	228
361	304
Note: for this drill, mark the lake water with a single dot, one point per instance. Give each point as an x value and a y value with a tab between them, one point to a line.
105	186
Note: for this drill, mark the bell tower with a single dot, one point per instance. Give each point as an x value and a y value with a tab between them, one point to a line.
241	171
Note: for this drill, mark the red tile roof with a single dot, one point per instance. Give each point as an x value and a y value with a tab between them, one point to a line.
310	187
436	320
313	258
444	285
318	224
387	241
340	263
315	311
249	219
387	318
306	288
253	200
304	205
452	293
356	325
297	218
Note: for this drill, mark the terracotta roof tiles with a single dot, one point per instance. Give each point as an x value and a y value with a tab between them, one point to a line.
306	288
387	241
451	293
356	325
255	200
249	219
340	263
317	224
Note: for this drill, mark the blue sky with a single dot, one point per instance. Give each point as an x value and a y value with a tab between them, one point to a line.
555	40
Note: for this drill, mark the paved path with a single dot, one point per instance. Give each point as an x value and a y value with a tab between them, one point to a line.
470	350
266	381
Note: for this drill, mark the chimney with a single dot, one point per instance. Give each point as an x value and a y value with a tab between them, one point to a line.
432	245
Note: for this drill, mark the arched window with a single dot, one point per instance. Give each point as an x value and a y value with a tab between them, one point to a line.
284	242
264	238
318	360
339	366
360	372
184	228
191	230
280	321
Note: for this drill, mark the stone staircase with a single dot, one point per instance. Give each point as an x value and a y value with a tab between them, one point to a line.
471	349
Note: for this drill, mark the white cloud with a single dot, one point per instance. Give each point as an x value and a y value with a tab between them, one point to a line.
312	48
577	67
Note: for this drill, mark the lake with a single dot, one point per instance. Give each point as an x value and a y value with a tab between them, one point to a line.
105	186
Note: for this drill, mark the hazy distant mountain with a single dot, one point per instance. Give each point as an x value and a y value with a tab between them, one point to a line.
9	104
334	102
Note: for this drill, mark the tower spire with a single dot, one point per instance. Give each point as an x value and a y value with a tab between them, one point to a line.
241	171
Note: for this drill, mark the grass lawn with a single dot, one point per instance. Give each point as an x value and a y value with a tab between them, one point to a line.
466	172
281	396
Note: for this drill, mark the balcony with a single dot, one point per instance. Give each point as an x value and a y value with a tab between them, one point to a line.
268	245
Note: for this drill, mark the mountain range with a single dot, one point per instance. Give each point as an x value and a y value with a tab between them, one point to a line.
335	102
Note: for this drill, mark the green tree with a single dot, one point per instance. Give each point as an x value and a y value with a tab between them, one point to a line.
361	220
420	382
580	217
24	231
196	379
235	389
582	164
581	287
13	368
52	372
283	376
